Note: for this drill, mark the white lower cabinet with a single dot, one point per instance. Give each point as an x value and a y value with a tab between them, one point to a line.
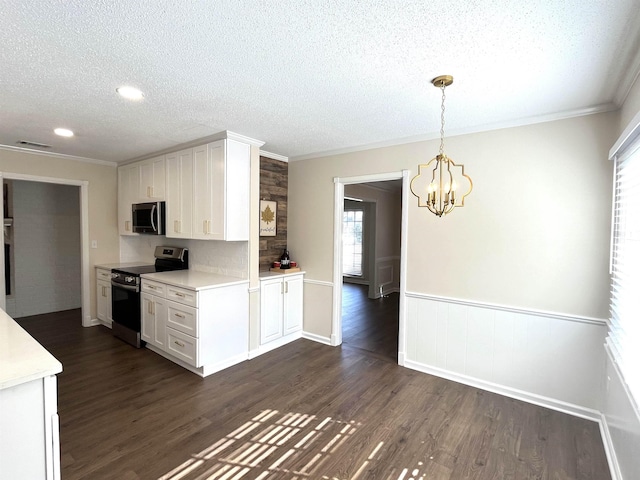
281	313
30	439
103	295
29	423
154	320
203	330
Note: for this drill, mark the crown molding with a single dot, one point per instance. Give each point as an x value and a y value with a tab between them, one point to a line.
580	112
224	135
629	78
274	156
32	151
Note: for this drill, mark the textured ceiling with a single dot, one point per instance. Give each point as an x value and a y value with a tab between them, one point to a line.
303	76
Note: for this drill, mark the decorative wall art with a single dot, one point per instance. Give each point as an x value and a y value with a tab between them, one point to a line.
268	218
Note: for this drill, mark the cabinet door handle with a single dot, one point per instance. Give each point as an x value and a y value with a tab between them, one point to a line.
126	226
175	226
151	190
208	226
180	344
151	287
286	287
178	294
179	315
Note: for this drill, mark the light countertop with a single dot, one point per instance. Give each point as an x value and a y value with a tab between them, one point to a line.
194	279
109	266
22	358
270	274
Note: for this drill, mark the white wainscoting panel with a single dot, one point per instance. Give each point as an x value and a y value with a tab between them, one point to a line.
620	426
387	274
548	359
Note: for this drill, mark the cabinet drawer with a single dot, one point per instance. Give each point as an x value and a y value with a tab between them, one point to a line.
102	274
155	288
183	318
182	346
182	295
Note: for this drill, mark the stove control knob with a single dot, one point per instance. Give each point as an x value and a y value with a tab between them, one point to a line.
115	275
129	279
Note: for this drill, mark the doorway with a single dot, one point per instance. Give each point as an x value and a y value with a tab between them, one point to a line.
82	192
369	308
42	248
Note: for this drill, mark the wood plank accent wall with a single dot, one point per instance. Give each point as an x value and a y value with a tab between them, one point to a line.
274	181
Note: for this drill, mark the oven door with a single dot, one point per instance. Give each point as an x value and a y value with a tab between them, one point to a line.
125	312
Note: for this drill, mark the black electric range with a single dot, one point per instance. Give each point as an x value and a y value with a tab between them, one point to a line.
125	291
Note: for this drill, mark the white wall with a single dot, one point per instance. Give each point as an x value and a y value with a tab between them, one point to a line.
533	237
102	203
224	258
47	252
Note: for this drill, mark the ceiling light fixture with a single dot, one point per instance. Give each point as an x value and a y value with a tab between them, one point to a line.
130	93
63	132
437	191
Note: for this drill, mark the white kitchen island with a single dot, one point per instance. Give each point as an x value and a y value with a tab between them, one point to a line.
29	427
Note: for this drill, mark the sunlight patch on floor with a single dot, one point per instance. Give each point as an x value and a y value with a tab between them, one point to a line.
273	446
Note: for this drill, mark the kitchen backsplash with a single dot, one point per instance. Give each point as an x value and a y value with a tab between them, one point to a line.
224	258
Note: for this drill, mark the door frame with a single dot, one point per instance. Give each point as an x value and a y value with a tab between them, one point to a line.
338	211
84	237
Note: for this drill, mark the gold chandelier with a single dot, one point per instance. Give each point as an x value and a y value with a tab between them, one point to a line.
440	191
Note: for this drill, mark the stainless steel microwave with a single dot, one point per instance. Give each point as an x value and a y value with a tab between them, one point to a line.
148	217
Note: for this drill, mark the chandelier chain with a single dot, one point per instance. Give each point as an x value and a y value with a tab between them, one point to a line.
442	85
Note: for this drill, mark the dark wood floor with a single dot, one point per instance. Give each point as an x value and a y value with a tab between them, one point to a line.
303	411
370	324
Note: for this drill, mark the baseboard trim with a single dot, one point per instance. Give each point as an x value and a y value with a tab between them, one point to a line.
402	358
609	449
560	406
205	370
267	347
96	321
317	338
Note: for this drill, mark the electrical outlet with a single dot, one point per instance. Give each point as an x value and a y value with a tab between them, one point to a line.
94	244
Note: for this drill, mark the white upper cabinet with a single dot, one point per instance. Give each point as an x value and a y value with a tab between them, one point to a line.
139	182
179	194
206	190
213	184
128	186
221	185
204	160
152	179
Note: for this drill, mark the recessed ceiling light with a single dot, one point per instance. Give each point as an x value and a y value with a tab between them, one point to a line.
63	132
130	93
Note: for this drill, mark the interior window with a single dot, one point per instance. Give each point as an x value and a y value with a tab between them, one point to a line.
352	229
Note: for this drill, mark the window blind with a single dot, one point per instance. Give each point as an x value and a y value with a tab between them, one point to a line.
624	325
